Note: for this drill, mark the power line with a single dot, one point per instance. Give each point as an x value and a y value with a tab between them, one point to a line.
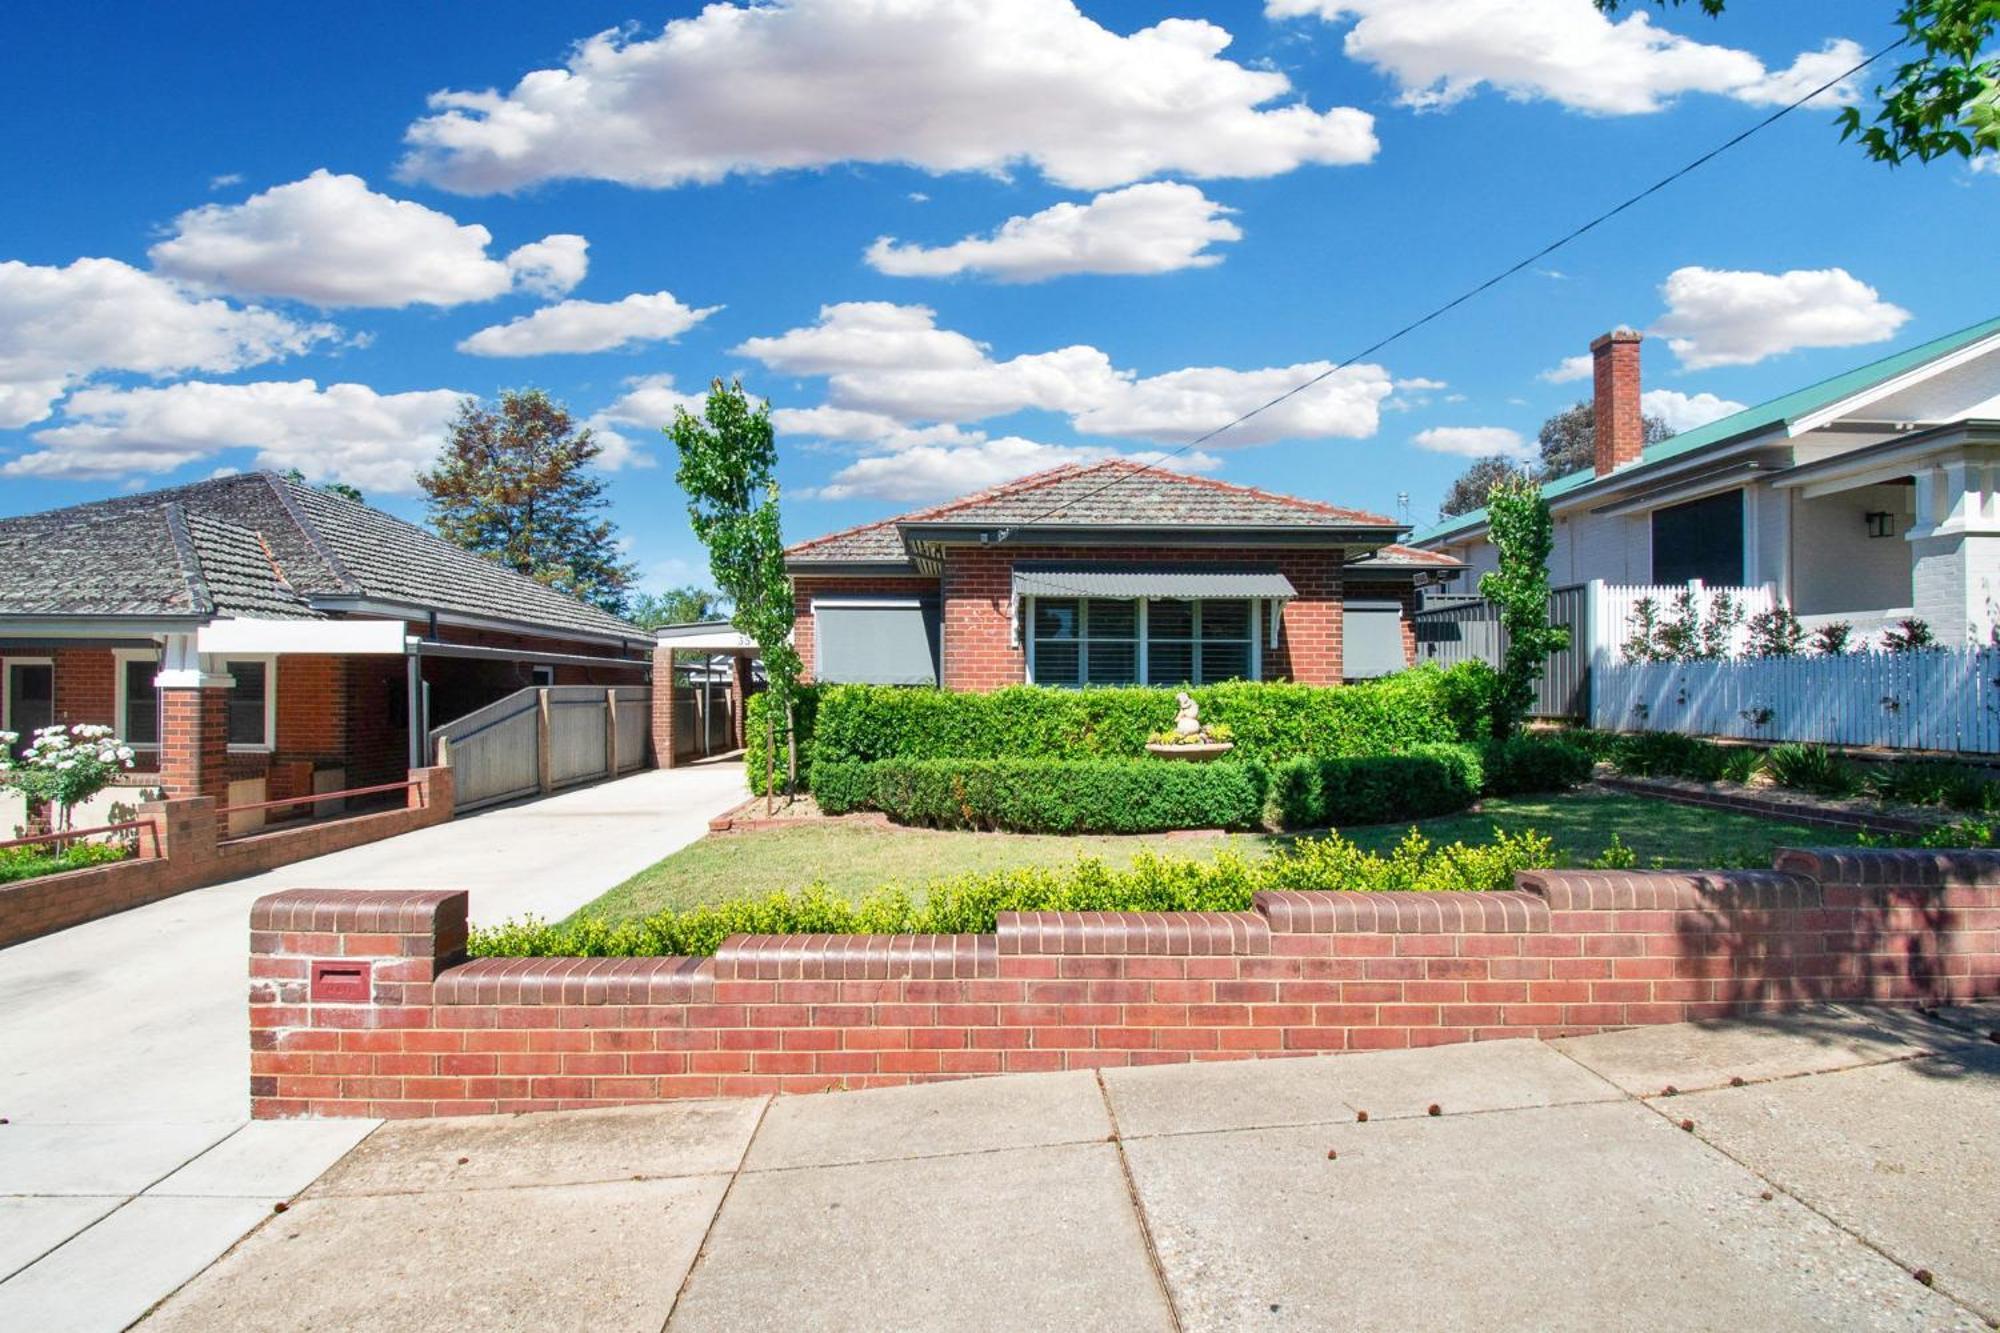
1471	292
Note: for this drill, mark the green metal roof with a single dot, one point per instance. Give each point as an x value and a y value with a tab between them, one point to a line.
1754	420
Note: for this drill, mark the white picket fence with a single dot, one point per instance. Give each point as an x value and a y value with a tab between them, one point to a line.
1613	606
1948	699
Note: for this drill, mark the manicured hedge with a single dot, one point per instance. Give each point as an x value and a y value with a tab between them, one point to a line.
1523	764
1426	781
971	903
757	716
1048	795
1269	722
17	863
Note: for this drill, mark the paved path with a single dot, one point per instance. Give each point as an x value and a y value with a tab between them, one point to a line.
127	1164
1496	1186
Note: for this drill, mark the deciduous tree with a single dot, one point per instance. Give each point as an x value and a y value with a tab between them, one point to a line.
515	484
1523	534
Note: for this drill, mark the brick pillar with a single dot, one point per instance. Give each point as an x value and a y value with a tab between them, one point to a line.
194	742
663	707
739	700
329	970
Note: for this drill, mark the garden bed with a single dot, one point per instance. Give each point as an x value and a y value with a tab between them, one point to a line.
1842	812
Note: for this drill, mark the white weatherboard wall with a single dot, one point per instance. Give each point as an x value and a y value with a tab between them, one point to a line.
1948	699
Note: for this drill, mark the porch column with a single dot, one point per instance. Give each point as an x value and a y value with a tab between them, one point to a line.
739	700
663	707
1955	552
194	724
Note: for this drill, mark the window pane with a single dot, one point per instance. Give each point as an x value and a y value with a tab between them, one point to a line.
1055	618
246	704
1113	620
1055	663
1225	620
142	703
1170	619
1113	663
1224	661
1169	663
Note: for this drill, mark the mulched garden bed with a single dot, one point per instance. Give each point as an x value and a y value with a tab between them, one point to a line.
1793	807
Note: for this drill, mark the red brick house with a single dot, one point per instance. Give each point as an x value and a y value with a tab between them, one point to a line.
254	638
1110	574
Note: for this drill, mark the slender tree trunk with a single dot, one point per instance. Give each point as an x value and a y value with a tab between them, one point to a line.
791	753
770	768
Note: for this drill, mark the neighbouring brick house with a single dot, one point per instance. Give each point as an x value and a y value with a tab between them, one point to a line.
257	639
1110	574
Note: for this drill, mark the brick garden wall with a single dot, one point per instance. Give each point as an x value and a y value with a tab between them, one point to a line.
181	852
1567	952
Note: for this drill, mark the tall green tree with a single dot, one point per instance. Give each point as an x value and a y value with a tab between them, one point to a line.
684	605
729	469
1523	535
1944	99
514	484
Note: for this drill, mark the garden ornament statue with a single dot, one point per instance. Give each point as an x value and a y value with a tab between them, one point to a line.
1188	721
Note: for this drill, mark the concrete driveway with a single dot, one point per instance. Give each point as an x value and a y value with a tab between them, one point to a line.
1836	1169
126	1163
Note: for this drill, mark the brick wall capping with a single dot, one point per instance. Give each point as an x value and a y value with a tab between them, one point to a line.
857	958
1321	912
582	981
1900	867
1670	890
1178	934
385	911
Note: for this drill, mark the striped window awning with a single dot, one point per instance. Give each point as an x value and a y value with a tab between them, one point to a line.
1130	582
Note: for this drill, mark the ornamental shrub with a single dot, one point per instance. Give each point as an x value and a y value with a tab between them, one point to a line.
1810	768
1048	795
18	863
972	903
1523	764
1667	754
1930	782
1427	781
758	714
63	766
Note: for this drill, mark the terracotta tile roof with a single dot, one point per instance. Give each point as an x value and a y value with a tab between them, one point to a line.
1109	494
1405	557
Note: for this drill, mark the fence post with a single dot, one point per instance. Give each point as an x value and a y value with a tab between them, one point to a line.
611	731
544	760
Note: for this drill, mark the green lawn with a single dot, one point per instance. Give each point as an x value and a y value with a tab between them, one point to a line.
852	860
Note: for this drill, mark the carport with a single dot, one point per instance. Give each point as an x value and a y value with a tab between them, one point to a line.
703	676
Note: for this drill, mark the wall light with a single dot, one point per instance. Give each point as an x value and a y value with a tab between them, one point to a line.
1881	523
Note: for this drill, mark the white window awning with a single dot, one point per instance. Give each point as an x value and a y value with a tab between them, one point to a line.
343	637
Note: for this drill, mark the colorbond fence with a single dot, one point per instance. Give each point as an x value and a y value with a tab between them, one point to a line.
540	739
1946	699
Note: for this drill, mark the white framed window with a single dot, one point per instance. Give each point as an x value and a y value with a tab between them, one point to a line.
543	675
253	703
1077	641
136	700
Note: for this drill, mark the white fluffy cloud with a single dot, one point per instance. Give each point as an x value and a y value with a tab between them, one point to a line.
1722	317
1156	227
1569	369
645	409
331	241
589	326
59	325
1475	442
1685	411
1564	51
942	85
893	361
347	432
939	471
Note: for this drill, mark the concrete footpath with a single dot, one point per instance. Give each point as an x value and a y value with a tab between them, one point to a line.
127	1160
1834	1169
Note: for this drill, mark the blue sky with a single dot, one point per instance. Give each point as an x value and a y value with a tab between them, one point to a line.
240	241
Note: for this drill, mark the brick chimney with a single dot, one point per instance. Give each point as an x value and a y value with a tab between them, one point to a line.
1620	431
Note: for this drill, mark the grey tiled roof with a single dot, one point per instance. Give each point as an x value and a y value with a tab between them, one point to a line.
1404	557
259	545
1109	494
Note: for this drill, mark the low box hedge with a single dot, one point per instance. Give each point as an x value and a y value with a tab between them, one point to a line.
972	903
1426	781
1048	795
1522	764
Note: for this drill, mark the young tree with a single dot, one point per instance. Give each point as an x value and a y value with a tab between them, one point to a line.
676	606
728	468
1523	534
1944	100
1569	439
515	485
1468	492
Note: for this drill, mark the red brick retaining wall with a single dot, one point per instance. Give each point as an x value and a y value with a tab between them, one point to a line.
417	1032
182	853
